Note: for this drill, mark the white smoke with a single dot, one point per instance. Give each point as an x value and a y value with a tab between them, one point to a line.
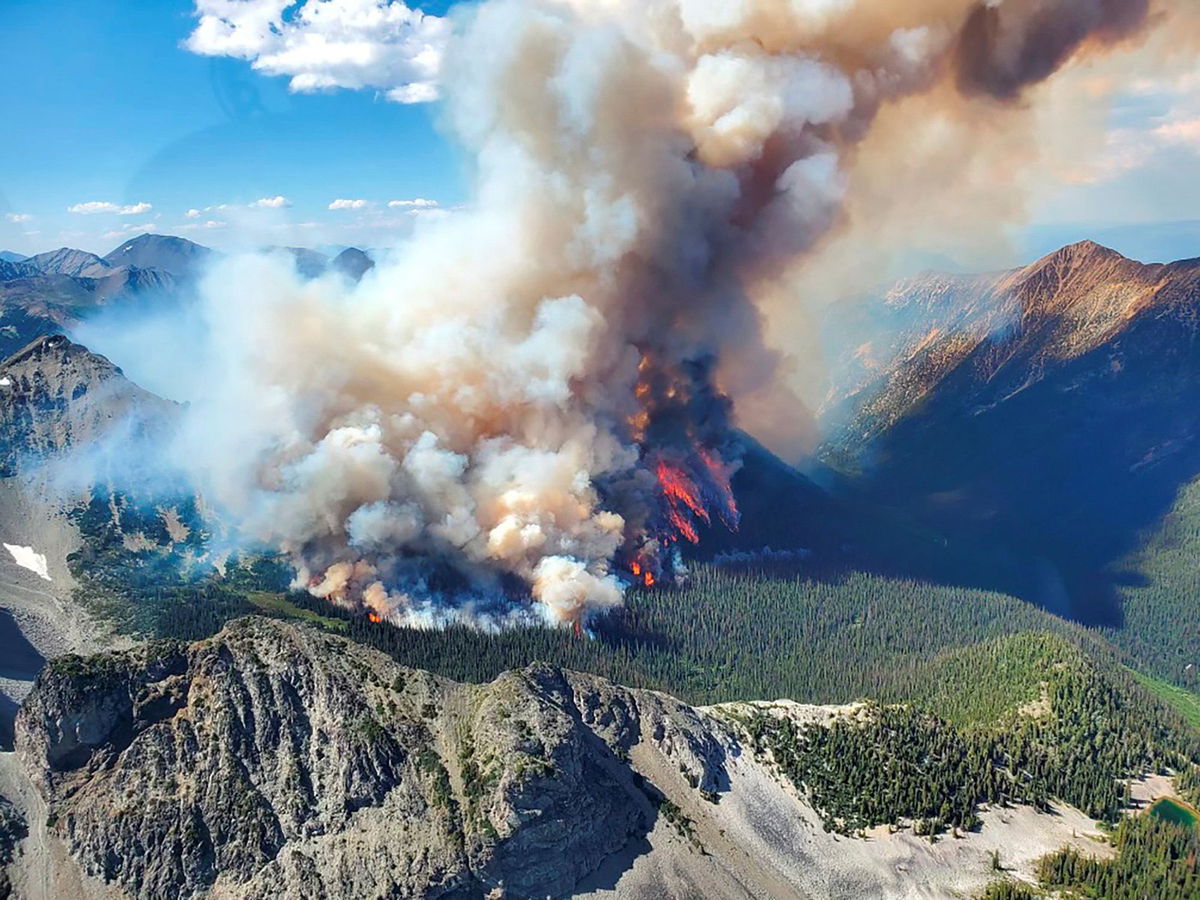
478	403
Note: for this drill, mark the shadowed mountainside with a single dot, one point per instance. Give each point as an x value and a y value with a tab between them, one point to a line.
1053	411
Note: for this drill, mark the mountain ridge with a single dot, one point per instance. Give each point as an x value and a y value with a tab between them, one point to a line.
1048	410
276	760
56	396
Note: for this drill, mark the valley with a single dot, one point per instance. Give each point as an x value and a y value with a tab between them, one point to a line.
1033	722
629	450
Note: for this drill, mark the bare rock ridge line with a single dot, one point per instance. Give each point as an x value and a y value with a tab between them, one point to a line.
280	759
275	760
1055	309
56	395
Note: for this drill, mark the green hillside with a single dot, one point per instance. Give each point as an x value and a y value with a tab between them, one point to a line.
1161	601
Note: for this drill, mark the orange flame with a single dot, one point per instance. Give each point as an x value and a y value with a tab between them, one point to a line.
719	474
649	579
635	567
376	618
683	501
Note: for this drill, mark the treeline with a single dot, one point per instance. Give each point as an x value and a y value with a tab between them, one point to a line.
888	764
756	631
1188	784
1154	859
761	633
1161	629
132	571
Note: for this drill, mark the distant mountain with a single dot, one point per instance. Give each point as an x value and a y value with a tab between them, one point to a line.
10	270
66	261
56	395
177	256
309	263
1053	410
353	263
34	303
9	256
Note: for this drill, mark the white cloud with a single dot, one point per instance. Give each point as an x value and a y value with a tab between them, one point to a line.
1180	132
416	203
192	214
1163	115
324	44
207	225
278	202
18	218
341	203
92	207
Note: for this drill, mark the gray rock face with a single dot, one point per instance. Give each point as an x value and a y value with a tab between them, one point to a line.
15	268
177	256
12	829
55	395
66	261
275	760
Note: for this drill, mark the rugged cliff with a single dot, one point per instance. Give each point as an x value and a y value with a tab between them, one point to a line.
282	760
275	760
56	395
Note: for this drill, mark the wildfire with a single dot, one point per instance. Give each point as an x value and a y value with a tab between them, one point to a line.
642	573
682	499
719	475
375	618
681	417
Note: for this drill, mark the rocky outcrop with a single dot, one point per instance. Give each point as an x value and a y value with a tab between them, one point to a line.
12	830
56	395
275	761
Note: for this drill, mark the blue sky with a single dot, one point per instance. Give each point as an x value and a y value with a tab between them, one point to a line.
102	104
105	105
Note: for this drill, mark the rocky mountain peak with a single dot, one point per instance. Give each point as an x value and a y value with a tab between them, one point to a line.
289	763
57	358
68	261
175	255
56	394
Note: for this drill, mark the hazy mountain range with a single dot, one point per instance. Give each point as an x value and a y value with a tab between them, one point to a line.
51	291
1010	455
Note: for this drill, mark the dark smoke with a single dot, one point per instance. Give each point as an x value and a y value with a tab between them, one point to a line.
1007	47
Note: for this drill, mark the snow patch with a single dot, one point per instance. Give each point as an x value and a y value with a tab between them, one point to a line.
5	381
30	559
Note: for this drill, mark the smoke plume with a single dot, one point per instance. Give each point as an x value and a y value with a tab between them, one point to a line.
533	398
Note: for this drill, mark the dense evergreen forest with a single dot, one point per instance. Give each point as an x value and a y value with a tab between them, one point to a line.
888	764
1188	784
727	632
1155	859
977	698
1161	631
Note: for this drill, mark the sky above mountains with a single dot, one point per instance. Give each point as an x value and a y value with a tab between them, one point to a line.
229	121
